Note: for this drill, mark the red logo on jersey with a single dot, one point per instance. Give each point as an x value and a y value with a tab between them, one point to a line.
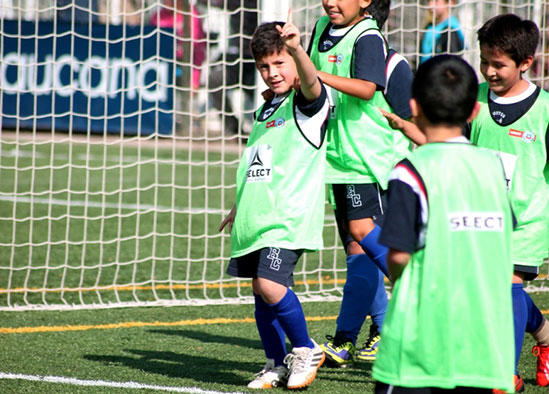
527	136
332	58
270	124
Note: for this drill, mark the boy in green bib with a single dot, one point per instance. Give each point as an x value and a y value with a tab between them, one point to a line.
279	211
449	324
351	53
514	122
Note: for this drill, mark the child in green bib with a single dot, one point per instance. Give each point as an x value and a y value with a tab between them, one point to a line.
514	122
279	210
449	324
351	53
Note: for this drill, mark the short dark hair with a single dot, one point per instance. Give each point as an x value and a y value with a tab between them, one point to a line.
266	40
517	38
446	87
379	10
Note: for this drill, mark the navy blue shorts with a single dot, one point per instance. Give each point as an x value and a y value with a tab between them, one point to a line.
530	272
275	264
359	201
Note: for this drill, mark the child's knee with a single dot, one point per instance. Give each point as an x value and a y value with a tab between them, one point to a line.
271	292
360	228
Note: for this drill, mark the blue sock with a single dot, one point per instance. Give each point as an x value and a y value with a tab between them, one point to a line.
358	295
520	316
271	334
290	315
379	306
376	251
535	318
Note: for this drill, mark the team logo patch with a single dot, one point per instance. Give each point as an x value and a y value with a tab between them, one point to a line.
352	195
260	167
337	59
273	255
276	123
475	221
527	136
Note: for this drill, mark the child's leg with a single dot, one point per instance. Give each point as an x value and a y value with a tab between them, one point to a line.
535	321
379	306
538	326
271	333
274	276
520	316
358	293
290	316
376	251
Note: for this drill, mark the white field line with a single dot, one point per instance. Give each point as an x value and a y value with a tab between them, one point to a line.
96	204
103	383
133	207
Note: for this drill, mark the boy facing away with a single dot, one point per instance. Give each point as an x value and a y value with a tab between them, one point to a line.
279	212
448	227
514	121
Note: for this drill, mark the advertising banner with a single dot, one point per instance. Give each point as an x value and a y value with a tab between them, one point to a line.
98	78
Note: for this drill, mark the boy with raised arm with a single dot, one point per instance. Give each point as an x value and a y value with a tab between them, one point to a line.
279	212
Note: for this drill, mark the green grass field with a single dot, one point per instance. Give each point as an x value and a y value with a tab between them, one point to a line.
105	222
165	349
97	223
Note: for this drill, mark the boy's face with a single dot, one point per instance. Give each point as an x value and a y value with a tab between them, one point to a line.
501	72
344	13
278	71
439	9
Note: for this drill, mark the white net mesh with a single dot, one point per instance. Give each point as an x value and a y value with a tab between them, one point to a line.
122	123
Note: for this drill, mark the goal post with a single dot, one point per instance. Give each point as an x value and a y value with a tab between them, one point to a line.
121	127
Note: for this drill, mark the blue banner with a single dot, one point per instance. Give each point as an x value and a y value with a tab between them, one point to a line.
99	78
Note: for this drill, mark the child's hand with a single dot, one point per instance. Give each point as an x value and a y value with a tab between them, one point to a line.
228	220
395	121
290	33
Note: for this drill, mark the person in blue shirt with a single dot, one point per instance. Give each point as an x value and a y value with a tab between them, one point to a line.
443	32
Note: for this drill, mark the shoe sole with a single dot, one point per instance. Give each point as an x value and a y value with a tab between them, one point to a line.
311	377
366	358
335	359
329	363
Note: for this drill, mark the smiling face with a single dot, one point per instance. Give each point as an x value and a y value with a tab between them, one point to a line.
503	75
278	71
344	13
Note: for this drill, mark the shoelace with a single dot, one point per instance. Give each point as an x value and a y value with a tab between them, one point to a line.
266	368
296	362
370	339
336	342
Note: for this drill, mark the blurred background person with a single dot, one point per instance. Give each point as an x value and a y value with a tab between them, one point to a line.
235	68
443	32
183	17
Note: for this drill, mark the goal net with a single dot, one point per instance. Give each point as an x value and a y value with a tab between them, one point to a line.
122	123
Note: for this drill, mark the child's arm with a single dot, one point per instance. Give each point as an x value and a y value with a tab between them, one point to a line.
408	128
308	77
228	220
352	86
396	262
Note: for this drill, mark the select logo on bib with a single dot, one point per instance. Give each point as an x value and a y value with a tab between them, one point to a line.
475	221
527	136
337	59
260	160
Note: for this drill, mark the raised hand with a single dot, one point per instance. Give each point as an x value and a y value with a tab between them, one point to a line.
290	33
